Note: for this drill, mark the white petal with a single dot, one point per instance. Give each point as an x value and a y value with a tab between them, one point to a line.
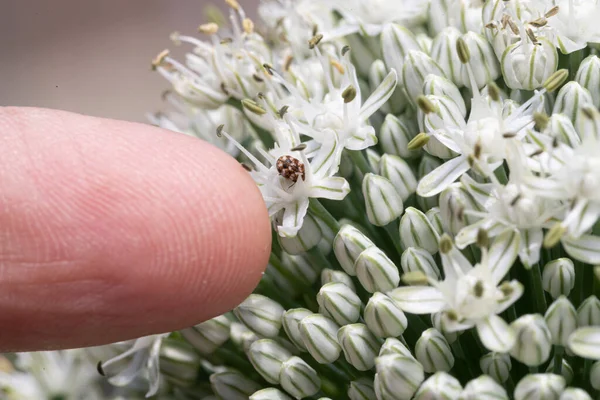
503	254
585	342
582	217
334	188
481	192
531	243
293	218
379	95
517	290
455	264
586	248
325	160
445	138
496	334
468	234
418	299
363	138
441	177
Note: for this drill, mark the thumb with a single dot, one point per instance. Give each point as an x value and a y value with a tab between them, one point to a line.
112	230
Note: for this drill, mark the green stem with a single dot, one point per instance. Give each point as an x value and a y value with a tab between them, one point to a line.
360	161
501	175
575	59
392	231
579	287
533	370
558	357
316	208
538	291
510	385
317	258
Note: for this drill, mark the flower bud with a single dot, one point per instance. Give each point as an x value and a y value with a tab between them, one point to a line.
496	365
574	394
483	60
483	388
397	375
241	336
595	375
500	37
376	272
558	277
361	389
332	276
261	314
561	127
588	313
382	201
395	134
454	200
565	371
528	66
443	52
339	302
291	325
208	336
417	231
395	346
396	42
588	76
534	342
399	173
588	123
267	357
439	386
299	379
360	346
439	86
540	387
561	318
433	352
585	342
319	335
377	73
178	363
298	267
439	322
269	394
570	98
232	385
308	237
383	316
417	65
347	246
435	217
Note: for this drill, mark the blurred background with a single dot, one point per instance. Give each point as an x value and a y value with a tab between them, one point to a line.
91	57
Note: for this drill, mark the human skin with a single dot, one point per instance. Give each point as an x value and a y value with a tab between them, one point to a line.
112	230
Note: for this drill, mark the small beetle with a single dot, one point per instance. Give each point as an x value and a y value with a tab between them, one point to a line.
290	168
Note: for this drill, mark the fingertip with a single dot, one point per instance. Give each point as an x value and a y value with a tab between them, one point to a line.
120	230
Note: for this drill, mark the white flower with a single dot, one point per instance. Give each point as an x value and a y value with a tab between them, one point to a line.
287	196
469	295
514	208
145	352
574	25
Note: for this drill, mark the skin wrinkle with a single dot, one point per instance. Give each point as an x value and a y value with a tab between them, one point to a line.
114	230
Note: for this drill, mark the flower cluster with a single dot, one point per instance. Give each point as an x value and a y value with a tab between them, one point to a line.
432	173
